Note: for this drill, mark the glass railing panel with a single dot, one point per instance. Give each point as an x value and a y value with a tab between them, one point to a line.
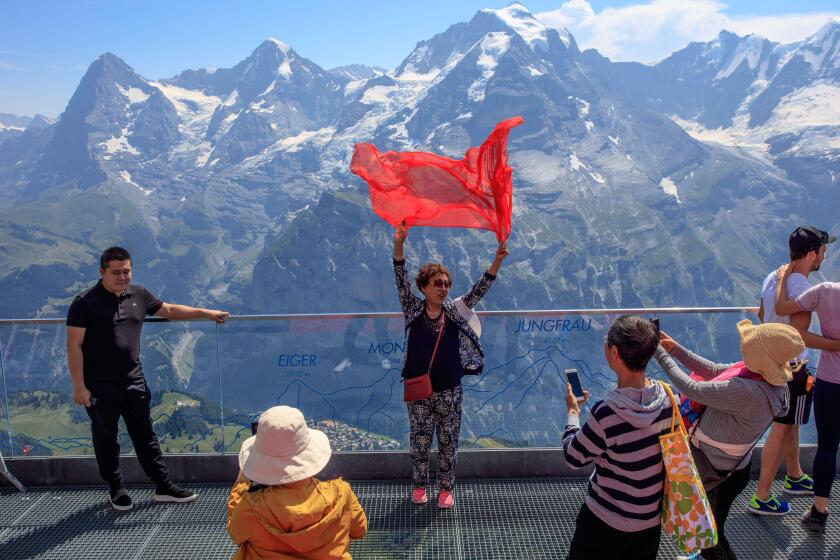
43	418
345	374
181	369
45	421
519	400
6	443
342	372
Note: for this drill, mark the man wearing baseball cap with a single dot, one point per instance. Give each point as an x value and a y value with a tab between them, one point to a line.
807	251
824	300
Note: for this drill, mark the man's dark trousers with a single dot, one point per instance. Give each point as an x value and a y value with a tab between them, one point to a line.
132	402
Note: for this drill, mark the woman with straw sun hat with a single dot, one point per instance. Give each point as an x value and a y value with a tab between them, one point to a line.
741	399
277	508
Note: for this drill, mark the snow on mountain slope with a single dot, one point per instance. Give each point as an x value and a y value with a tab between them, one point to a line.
813	110
492	46
195	109
749	50
519	19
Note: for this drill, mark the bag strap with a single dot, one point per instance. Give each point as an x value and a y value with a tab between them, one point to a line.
440	333
675	409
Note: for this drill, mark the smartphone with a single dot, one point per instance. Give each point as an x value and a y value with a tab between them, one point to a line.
655	321
254	425
574	380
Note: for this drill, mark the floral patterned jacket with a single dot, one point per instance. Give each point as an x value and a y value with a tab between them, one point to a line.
469	347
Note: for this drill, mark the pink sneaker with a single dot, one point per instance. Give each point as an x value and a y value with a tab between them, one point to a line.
445	499
418	496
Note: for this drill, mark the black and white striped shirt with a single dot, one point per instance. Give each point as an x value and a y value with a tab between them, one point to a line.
625	491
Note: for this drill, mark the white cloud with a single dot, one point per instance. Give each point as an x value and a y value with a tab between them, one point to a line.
785	28
7	65
653	30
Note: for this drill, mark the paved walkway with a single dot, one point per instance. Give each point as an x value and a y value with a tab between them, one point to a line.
493	518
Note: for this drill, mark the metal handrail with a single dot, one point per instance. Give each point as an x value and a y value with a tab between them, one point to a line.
397	314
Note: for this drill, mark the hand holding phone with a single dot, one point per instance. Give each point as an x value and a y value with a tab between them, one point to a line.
573	379
655	321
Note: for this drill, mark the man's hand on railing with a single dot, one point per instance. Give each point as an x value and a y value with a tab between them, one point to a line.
218	316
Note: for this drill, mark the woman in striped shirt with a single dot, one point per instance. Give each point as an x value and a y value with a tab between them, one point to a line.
621	515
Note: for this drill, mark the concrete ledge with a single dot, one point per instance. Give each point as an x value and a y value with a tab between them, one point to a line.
368	465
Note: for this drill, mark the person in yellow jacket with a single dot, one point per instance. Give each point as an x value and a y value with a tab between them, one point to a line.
277	509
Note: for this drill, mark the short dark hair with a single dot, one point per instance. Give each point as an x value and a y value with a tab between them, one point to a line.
636	340
796	255
805	239
429	271
113	254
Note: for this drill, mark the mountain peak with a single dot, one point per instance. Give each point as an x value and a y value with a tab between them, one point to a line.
276	44
110	59
40	121
517	17
824	34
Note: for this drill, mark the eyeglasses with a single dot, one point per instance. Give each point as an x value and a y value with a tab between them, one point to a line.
442	284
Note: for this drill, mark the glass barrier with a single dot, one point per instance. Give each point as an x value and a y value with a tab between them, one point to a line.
43	419
208	383
344	374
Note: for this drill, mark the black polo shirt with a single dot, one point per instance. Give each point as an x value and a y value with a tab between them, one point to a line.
111	347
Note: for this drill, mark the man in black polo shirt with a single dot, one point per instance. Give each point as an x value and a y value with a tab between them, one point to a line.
103	355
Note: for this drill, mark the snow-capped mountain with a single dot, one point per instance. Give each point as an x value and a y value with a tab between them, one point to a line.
357	71
12	125
231	185
778	101
273	94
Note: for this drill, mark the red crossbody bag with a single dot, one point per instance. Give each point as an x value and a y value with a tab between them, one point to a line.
420	387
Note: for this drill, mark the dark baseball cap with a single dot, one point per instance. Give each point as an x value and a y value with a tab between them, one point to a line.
809	238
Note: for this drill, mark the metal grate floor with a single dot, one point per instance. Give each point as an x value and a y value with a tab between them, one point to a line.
493	518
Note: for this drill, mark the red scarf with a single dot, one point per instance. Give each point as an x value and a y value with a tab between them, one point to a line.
426	189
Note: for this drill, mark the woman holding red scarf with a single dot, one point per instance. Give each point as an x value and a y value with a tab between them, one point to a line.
442	339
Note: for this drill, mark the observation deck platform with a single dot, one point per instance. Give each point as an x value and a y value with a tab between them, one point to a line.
519	502
515	518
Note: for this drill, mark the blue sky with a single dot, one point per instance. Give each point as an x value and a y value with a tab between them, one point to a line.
46	46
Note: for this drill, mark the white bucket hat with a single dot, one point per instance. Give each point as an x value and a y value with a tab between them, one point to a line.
284	450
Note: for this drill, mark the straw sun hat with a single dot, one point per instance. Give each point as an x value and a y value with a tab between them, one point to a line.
768	349
284	450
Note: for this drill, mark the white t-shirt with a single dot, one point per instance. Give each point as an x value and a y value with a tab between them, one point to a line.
796	286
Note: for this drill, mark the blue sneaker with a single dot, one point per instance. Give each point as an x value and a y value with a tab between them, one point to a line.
803	486
773	506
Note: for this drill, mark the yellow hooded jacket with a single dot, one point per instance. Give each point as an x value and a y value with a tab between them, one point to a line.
304	519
